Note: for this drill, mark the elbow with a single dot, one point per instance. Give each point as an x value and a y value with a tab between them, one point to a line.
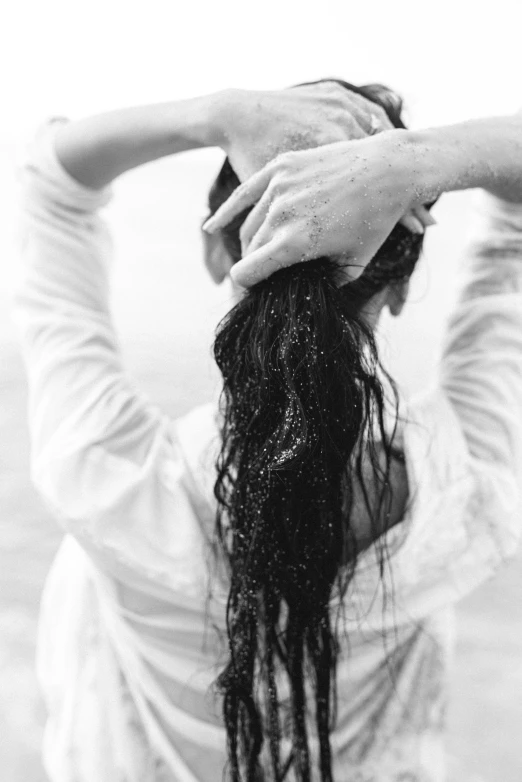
60	481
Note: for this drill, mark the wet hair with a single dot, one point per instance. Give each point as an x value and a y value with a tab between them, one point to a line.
304	404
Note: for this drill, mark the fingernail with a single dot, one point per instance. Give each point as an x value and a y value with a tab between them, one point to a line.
209	226
236	282
429	219
417	226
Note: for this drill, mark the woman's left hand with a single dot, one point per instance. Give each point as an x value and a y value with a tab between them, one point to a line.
341	200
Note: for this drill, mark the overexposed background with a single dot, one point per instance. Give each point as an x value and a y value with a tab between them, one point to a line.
451	60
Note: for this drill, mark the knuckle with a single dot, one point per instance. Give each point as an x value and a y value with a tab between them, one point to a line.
284	160
278	186
274	190
272	166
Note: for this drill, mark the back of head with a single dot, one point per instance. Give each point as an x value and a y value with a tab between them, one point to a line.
303	403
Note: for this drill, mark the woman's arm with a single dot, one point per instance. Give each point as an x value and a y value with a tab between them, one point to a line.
480	370
96	150
484	153
80	399
87	419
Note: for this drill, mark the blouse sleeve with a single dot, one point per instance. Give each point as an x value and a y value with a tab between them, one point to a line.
464	450
481	368
103	456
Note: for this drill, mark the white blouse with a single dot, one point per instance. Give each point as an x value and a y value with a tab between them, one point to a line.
130	640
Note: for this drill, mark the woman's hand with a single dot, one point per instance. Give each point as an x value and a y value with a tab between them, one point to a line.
260	125
341	200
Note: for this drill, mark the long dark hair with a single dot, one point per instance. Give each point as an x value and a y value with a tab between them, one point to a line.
304	402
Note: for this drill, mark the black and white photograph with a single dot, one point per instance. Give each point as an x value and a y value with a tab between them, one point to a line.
261	392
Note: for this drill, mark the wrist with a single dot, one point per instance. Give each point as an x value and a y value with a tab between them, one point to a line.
97	149
482	153
188	124
224	116
407	168
444	161
212	116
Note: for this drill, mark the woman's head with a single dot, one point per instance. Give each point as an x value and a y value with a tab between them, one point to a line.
304	409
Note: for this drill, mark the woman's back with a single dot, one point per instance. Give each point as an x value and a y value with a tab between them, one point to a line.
169	639
169	642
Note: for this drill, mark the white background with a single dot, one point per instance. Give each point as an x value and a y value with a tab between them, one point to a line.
451	58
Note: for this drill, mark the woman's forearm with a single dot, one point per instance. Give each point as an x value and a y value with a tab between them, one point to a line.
98	149
484	153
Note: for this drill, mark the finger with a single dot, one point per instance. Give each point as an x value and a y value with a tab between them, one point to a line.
418	218
373	118
424	215
243	196
412	223
259	265
255	220
264	235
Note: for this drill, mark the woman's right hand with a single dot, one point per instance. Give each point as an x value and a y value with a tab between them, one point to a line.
341	200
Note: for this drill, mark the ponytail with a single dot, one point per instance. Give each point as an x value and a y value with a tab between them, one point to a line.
300	394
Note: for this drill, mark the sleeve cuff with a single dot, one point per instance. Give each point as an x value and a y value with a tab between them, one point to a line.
49	178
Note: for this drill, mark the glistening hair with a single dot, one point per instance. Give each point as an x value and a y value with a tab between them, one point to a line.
304	402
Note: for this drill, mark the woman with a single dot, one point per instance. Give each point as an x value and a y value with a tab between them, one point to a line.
270	585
